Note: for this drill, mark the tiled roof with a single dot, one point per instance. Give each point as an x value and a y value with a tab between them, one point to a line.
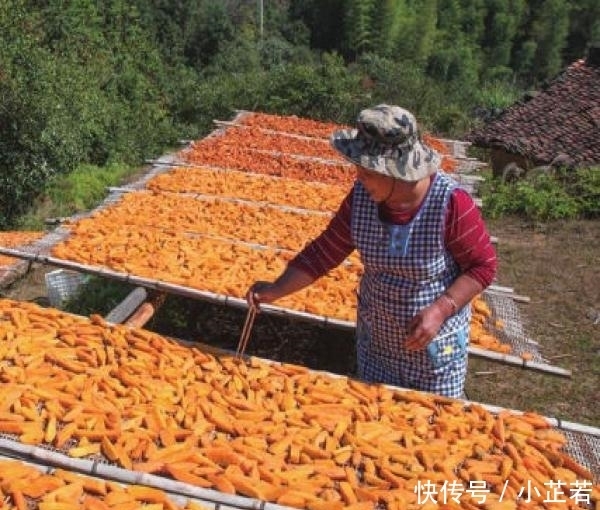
562	119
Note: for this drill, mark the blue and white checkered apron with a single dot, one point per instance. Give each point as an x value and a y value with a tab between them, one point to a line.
407	268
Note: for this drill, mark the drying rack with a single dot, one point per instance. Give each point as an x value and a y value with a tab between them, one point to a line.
583	445
47	461
503	304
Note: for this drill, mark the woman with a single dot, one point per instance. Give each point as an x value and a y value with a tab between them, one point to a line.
425	250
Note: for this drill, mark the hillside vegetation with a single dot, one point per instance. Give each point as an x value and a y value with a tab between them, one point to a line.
91	86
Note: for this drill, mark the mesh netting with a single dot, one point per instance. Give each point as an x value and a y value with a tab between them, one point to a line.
504	309
585	448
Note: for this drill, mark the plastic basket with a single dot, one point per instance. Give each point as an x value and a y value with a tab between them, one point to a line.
62	285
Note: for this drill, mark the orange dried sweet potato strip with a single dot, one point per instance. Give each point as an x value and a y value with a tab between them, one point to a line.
147	494
84	451
221	483
574	466
216	277
282	165
293	498
261	140
193	505
50	432
498	430
318	504
11	427
18	500
315	452
253	489
69	493
149	466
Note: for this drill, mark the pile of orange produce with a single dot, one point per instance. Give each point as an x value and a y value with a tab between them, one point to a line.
269	431
152	234
282	165
290	124
15	238
309	127
281	154
197	262
482	325
449	164
316	129
273	142
25	486
250	186
256	223
145	235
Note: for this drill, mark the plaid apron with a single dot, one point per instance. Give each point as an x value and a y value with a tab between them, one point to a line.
407	267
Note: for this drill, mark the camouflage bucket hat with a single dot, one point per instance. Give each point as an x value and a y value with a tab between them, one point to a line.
387	141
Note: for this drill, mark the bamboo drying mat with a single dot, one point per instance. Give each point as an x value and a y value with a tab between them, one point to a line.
583	444
503	307
456	148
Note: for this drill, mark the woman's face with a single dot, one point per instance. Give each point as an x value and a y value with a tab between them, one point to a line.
377	185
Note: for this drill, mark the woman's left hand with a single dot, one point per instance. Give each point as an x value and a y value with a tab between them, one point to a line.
424	326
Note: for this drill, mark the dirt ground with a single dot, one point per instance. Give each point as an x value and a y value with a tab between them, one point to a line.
556	266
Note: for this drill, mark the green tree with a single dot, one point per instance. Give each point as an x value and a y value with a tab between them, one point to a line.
420	29
502	20
208	30
24	165
166	22
358	27
584	28
322	20
389	23
542	39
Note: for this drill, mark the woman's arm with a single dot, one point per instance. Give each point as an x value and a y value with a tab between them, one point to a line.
331	247
321	255
468	240
469	243
290	281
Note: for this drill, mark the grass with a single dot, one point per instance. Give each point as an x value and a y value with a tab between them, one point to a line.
76	192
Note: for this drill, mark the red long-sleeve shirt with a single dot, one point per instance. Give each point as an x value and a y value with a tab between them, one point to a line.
466	238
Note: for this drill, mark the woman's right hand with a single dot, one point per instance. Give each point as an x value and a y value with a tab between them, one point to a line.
261	292
291	280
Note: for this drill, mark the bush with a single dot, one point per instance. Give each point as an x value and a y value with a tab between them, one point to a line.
76	93
561	195
584	186
98	295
